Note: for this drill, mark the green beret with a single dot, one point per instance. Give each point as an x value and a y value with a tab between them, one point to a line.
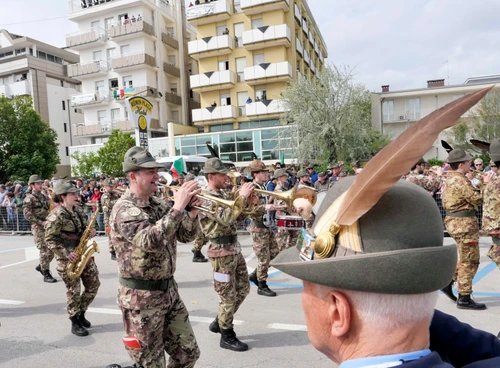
64	186
215	166
35	179
137	158
458	155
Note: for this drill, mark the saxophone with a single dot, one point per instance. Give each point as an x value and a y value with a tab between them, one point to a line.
84	251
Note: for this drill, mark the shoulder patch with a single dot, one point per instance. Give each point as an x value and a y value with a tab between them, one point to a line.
52	217
134	211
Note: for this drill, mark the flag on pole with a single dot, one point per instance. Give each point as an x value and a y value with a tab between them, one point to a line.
178	167
282	158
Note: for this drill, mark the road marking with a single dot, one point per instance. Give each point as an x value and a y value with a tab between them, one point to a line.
10	302
210	320
15	264
105	311
13	249
484	272
286	326
250	257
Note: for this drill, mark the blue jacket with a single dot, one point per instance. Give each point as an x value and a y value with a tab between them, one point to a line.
314	177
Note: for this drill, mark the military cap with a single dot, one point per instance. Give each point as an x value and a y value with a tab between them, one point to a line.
495	150
335	166
64	186
279	173
322	174
190	177
257	165
343	174
302	172
309	167
341	163
458	155
137	158
108	183
215	166
181	176
389	259
35	179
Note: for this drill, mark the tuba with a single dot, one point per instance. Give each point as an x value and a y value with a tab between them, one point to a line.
85	251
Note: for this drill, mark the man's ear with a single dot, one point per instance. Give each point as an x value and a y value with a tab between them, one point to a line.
339	313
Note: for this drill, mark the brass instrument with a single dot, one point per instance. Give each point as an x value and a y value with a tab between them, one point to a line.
288	197
84	251
234	175
51	198
118	189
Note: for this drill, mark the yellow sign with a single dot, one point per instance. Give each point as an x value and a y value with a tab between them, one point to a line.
143	123
140	111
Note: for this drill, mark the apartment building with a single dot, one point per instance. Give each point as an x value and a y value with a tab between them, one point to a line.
32	68
395	111
130	48
244	55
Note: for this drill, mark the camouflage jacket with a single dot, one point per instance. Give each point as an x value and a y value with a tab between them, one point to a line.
219	224
36	208
64	229
301	185
491	207
108	200
278	202
429	183
258	216
321	187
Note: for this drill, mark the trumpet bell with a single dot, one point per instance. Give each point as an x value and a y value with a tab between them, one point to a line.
308	193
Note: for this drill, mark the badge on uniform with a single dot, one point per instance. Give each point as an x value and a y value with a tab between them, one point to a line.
134	211
305	244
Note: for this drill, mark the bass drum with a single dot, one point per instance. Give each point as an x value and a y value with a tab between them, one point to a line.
317	205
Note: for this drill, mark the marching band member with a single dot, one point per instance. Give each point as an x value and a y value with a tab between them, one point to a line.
108	200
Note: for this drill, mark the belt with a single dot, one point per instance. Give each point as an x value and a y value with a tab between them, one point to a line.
146	284
461	214
228	239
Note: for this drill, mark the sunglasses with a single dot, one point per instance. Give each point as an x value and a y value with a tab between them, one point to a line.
478	164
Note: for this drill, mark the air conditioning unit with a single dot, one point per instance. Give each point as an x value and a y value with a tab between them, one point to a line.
402	117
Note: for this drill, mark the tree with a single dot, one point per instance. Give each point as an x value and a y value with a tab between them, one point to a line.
332	115
110	156
86	165
27	144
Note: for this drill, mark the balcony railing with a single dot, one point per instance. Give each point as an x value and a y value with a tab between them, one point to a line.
120	30
131	60
299	46
211	12
77	8
93	68
266	107
173	98
213	80
172	70
267	37
170	40
297	12
316	48
104	127
313	67
91	37
321	57
121	94
250	7
307	59
305	27
20	88
90	99
211	46
255	74
311	38
218	113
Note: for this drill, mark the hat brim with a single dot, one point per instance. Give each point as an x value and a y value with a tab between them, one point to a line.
409	271
467	157
222	171
71	190
36	181
127	166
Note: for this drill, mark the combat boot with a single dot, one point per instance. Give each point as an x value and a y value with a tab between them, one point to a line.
229	341
84	321
264	289
113	256
128	366
39	269
466	302
253	277
47	277
199	257
214	326
448	291
77	328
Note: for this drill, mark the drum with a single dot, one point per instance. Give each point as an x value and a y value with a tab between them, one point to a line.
290	222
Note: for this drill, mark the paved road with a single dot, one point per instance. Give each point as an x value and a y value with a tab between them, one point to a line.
35	330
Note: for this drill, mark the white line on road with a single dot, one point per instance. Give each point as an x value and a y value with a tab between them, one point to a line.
15	264
210	320
10	302
105	311
284	326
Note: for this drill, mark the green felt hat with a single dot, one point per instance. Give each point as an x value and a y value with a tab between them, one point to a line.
35	179
64	186
495	150
137	158
215	166
458	155
397	257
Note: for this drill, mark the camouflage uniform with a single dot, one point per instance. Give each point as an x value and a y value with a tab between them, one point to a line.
429	183
321	187
230	269
284	237
36	210
491	217
62	235
200	241
144	236
108	200
459	196
264	243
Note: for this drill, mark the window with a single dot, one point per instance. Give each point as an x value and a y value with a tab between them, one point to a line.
21	51
113	83
67	151
238	34
413	108
95	24
127	81
241	64
115	115
220	128
172	59
65	128
97	55
42	55
258	59
223	65
175	116
260	94
237	6
388	110
124	50
242	102
225	99
63	105
51	58
256	23
123	18
99	86
110	53
62	83
59	60
108	22
220	30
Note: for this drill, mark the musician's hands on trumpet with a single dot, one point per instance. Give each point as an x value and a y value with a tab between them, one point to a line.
185	195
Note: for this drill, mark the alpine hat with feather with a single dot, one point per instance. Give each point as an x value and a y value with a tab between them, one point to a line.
367	234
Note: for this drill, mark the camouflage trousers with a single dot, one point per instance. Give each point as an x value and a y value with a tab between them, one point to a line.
46	255
200	241
494	252
286	238
76	300
159	331
468	260
231	284
266	249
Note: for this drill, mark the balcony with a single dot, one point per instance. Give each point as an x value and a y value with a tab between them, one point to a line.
266	107
21	88
172	70
121	94
87	9
263	37
85	70
91	37
119	31
212	81
194	104
250	7
212	12
313	68
132	61
218	114
305	27
299	46
307	59
91	99
173	98
297	13
316	48
211	46
104	128
268	73
170	40
321	57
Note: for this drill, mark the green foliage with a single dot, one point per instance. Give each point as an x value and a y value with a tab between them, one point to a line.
332	115
86	165
435	162
27	144
110	156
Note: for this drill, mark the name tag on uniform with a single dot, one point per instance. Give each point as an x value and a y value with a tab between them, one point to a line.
221	277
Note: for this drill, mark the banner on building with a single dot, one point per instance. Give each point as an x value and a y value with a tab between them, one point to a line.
200	10
140	111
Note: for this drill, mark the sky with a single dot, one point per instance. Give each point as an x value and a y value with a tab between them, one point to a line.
402	43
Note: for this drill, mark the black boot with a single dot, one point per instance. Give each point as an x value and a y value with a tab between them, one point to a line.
39	269
84	321
214	326
113	255
199	257
466	302
228	340
128	366
253	278
76	327
264	289
47	277
448	291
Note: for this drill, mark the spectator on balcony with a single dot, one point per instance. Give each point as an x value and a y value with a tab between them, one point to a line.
214	104
191	4
139	18
249	100
197	2
132	19
225	32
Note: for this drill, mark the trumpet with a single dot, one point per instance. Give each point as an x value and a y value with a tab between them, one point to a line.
118	189
288	197
234	175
